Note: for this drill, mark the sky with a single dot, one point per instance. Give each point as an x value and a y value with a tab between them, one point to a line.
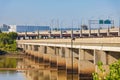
49	12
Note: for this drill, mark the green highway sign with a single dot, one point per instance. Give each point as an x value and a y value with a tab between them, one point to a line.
101	22
105	21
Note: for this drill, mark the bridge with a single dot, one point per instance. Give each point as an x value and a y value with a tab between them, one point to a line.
79	56
110	32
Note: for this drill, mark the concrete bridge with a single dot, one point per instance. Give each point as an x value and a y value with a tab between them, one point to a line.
68	34
79	56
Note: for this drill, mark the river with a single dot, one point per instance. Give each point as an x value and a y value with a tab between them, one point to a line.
27	68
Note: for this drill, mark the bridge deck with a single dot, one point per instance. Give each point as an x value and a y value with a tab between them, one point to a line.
108	44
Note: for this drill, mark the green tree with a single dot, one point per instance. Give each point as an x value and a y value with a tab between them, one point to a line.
13	35
114	73
4	39
8	41
0	31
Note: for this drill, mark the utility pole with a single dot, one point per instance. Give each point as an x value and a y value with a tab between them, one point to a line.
72	30
57	24
81	29
72	58
119	28
89	27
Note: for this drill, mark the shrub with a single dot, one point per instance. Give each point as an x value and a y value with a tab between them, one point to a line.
114	73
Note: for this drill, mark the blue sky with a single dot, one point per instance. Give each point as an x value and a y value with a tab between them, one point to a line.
41	12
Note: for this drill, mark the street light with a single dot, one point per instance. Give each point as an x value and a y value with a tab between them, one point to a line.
72	57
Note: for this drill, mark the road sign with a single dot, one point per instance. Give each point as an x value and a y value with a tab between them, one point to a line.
107	21
101	22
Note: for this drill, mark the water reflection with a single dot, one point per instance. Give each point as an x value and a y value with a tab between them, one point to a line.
43	71
35	69
8	62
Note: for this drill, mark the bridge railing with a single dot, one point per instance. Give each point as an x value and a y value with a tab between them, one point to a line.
85	44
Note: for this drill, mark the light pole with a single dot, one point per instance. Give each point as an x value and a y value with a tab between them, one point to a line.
72	57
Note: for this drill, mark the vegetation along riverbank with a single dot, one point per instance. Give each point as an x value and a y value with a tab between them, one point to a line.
8	42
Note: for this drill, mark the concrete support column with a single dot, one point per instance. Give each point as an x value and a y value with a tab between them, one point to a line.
98	34
89	32
26	47
61	34
81	32
40	53
99	56
72	33
81	54
95	60
51	50
38	34
63	52
119	31
30	47
76	53
85	66
42	49
67	53
23	46
50	32
61	62
60	52
53	57
71	63
103	57
36	37
89	28
56	51
35	47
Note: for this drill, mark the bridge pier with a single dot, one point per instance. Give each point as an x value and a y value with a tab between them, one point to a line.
119	31
85	60
98	33
100	56
61	63
71	64
81	32
40	54
52	57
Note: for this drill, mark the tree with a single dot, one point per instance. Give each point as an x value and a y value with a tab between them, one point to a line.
8	41
114	72
4	39
84	27
0	31
12	35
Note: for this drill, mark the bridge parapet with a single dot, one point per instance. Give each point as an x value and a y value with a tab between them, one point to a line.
67	33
